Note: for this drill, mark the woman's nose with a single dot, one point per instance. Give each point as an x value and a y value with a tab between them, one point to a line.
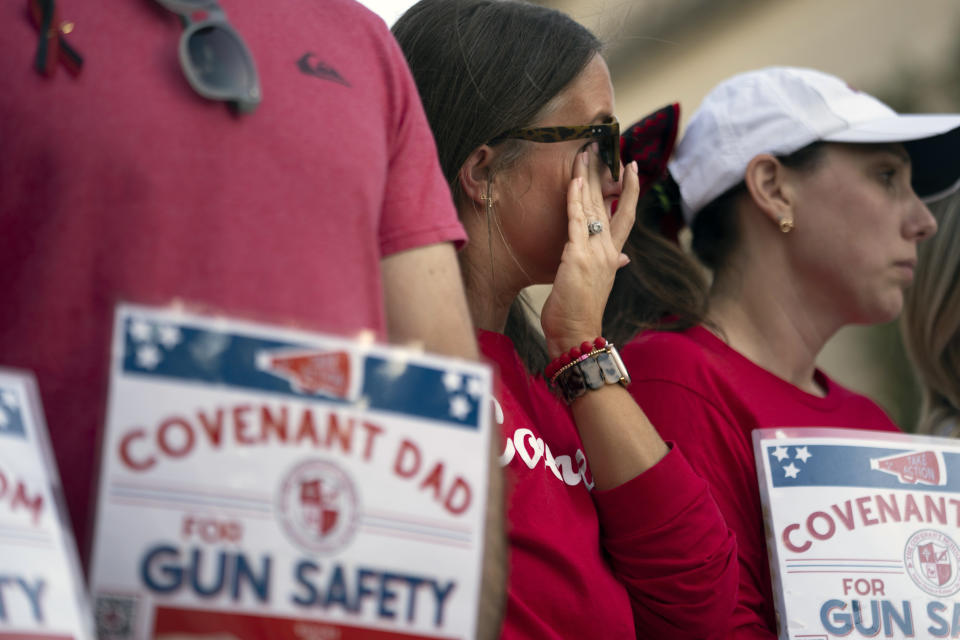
921	224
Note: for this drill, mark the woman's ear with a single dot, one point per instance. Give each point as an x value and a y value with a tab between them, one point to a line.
474	173
769	187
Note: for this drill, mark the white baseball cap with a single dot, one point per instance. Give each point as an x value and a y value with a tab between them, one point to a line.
779	110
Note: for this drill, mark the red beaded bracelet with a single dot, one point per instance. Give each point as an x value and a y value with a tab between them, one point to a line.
570	356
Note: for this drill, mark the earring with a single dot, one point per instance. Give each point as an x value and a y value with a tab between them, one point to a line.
786	224
487	200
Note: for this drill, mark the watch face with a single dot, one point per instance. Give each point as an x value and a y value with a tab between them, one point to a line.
624	375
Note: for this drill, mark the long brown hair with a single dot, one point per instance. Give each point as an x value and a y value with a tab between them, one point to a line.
662	287
931	323
483	67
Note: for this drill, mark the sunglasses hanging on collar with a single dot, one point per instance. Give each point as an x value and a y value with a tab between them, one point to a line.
215	60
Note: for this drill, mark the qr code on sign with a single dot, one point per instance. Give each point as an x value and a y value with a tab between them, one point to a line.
115	616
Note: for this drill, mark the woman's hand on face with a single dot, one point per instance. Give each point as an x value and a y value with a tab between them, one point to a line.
573	312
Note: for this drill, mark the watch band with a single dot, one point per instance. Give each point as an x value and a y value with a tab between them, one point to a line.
590	371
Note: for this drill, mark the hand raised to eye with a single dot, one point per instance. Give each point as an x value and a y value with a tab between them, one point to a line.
573	312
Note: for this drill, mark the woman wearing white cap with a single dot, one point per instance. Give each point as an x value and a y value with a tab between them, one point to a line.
801	193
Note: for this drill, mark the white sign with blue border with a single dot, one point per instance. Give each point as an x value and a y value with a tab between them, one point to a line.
862	531
267	482
42	592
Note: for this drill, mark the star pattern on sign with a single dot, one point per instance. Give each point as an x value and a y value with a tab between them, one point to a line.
787	462
452	381
9	404
459	407
9	398
141	330
152	341
169	336
148	356
474	387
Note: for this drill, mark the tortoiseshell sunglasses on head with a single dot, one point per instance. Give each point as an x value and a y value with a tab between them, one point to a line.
607	135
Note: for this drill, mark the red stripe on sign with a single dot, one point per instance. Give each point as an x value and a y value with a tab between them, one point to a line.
170	620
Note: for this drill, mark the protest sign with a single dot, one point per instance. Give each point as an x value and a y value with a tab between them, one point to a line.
42	595
272	483
862	530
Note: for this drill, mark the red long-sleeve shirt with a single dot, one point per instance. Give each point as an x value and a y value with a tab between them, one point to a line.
651	558
708	398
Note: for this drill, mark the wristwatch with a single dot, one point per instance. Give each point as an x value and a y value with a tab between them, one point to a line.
591	371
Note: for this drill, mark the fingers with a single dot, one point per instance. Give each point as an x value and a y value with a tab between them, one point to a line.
593	196
576	218
585	202
622	222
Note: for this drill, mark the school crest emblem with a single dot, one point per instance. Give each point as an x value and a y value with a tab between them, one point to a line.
931	559
317	506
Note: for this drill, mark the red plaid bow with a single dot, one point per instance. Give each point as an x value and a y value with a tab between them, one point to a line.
650	142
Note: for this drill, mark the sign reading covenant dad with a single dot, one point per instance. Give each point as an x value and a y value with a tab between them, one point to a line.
862	529
267	483
41	587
